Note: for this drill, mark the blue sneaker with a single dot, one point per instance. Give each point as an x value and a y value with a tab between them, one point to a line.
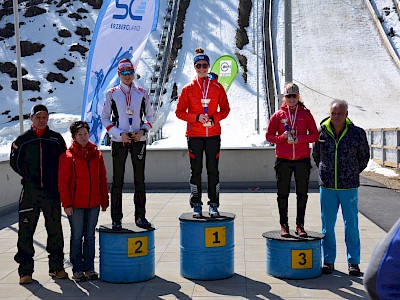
197	211
213	211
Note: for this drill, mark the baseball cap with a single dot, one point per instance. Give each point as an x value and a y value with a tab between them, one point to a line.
291	88
38	108
125	64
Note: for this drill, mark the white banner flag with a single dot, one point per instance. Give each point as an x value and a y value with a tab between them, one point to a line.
121	31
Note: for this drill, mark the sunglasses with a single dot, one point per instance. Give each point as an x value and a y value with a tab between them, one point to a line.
291	96
204	66
127	72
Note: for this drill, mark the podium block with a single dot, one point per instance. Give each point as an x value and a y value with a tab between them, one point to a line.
207	246
294	257
126	255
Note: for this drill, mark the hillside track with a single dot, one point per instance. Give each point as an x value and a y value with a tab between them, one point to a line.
338	54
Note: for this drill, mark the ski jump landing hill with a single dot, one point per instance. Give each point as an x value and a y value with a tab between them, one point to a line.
337	53
340	51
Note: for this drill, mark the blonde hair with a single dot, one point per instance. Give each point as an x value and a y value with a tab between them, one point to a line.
198	51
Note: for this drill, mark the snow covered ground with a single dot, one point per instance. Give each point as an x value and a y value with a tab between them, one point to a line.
218	38
337	53
65	102
388	14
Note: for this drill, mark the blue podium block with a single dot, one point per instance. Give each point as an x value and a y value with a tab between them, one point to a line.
207	246
294	257
126	255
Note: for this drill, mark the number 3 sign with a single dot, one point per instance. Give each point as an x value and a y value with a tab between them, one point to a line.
302	259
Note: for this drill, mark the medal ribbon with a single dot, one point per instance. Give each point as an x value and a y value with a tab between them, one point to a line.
204	91
292	118
128	99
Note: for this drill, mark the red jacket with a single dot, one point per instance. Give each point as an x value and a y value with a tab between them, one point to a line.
305	128
189	106
82	180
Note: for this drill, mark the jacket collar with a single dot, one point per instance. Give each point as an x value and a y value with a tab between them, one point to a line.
85	153
126	88
326	123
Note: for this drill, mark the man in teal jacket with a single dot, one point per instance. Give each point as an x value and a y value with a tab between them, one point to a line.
341	154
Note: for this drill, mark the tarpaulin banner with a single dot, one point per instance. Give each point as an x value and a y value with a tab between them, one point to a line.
121	31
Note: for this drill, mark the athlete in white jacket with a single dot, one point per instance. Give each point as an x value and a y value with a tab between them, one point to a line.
127	115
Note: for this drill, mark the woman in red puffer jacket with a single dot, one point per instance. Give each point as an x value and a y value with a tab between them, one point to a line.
82	184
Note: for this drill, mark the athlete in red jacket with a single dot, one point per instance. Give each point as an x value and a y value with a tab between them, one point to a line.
292	128
82	184
203	104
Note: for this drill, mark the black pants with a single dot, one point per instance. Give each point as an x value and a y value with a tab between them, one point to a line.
28	219
138	157
211	146
284	170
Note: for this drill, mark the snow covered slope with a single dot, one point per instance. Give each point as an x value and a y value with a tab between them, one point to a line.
337	53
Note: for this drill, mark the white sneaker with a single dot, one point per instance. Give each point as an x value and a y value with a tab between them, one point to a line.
213	211
197	211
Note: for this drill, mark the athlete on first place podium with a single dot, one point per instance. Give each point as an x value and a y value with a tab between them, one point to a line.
203	104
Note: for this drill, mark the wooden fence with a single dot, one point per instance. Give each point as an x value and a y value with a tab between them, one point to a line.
385	146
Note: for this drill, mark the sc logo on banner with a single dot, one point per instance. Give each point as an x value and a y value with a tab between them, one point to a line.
127	11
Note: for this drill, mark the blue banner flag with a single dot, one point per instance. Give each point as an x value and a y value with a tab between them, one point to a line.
121	31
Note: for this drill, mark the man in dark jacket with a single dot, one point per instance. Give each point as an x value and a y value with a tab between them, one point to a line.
34	156
341	154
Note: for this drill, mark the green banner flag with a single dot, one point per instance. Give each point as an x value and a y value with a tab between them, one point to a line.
226	68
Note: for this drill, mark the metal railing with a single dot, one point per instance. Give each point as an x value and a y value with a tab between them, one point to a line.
268	57
397	7
385	146
160	75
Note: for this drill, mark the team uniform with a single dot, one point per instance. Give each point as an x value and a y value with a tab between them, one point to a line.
202	138
121	101
292	158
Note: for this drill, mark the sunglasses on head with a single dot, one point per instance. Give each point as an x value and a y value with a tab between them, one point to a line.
291	96
127	72
204	66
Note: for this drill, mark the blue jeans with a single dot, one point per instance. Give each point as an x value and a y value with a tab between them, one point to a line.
330	201
82	246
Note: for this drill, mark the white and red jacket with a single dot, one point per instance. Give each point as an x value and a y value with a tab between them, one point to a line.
189	106
116	104
305	131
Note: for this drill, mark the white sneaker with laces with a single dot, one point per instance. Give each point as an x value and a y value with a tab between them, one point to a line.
213	211
197	211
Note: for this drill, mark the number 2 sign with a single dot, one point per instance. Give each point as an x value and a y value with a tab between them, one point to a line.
138	246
